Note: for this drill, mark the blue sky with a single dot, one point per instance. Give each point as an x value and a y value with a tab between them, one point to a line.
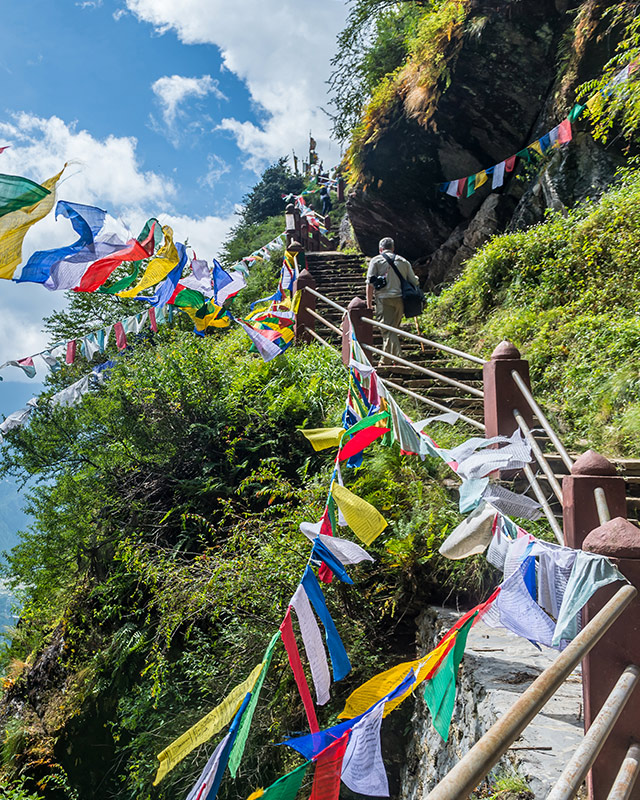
163	108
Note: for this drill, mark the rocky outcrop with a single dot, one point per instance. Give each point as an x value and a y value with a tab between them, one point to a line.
511	78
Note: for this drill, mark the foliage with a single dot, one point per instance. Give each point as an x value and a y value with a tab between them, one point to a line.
618	107
565	292
16	789
265	199
244	238
372	45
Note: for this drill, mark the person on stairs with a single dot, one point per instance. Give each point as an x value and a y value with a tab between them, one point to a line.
388	293
326	201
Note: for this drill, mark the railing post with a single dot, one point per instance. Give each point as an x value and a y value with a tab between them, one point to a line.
307	300
340	190
304	234
619	647
501	395
356	310
579	510
292	223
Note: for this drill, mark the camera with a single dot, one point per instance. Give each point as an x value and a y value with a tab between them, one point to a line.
378	281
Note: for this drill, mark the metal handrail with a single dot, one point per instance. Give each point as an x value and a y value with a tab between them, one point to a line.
601	505
568	461
325	299
433	404
431	373
594	739
324	321
627	775
540	457
423	340
484	755
537	490
319	338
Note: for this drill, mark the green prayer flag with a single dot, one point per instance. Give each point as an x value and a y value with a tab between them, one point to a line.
366	422
189	298
286	787
123	283
471	185
440	689
575	112
17	193
237	750
525	153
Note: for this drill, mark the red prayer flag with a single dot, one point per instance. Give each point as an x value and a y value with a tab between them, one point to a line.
100	270
324	573
361	440
510	163
326	781
462	186
153	322
121	336
289	641
565	134
71	352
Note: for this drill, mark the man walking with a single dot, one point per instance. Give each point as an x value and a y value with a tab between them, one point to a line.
382	277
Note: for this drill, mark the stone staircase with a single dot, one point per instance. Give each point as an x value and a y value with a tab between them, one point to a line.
341	277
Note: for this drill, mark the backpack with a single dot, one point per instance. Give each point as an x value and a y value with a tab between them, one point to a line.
412	296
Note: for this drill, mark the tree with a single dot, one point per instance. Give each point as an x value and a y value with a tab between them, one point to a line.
265	199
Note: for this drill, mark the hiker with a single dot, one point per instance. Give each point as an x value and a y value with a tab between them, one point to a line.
326	201
382	277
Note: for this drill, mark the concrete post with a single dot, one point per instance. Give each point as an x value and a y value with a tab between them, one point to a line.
501	395
292	223
357	309
579	511
340	190
307	300
619	647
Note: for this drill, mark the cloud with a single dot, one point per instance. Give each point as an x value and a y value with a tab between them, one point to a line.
89	3
216	168
281	49
119	13
172	91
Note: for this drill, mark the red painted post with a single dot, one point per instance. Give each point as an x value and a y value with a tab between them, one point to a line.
579	511
292	223
307	300
304	234
619	647
340	190
356	310
501	395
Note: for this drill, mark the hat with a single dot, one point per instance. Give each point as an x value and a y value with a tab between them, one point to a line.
472	536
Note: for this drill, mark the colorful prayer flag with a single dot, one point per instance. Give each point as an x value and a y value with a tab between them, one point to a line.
289	641
364	519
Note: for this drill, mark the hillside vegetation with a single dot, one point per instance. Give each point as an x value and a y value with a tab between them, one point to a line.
566	292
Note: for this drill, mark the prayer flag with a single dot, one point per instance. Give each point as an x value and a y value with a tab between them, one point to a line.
364	519
440	689
360	441
339	658
150	237
17	193
152	320
321	438
285	788
268	350
209	782
510	163
121	336
313	645
326	780
565	133
25	364
346	551
207	727
498	175
461	187
481	179
158	267
238	282
324	554
289	641
14	227
363	768
71	352
452	188
471	185
237	750
575	112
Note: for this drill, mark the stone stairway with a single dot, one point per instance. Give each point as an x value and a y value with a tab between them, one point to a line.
341	277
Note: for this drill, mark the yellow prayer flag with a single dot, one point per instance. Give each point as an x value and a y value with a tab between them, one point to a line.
364	519
481	177
295	304
159	267
287	334
380	685
321	438
14	227
535	146
255	795
207	727
592	103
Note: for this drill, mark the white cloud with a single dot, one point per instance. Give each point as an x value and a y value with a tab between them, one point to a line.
119	13
216	168
173	90
280	48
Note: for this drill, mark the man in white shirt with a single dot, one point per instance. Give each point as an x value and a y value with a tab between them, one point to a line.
388	292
